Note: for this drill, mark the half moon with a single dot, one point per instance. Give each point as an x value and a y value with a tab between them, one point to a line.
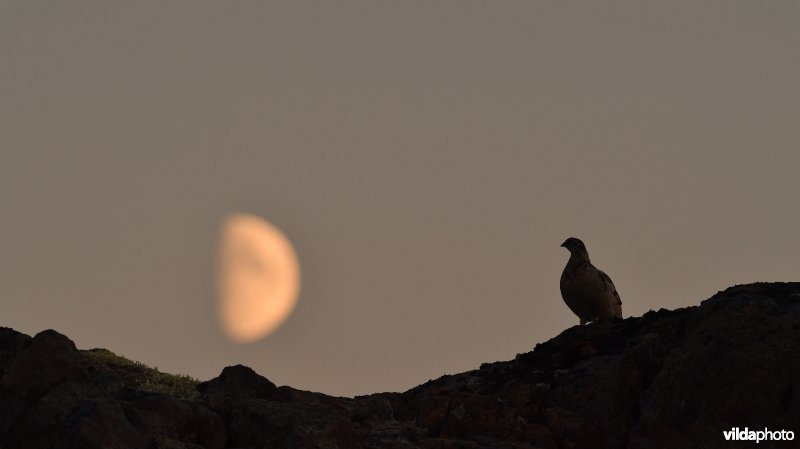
259	278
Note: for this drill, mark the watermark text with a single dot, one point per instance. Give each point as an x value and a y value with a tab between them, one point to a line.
736	434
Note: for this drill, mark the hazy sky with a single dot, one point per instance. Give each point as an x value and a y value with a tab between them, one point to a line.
426	159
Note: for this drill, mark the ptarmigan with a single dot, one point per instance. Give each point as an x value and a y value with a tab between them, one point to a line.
588	292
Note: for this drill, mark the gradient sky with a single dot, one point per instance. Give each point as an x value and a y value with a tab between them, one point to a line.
426	159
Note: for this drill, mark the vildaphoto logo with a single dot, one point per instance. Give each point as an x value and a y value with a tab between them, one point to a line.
735	434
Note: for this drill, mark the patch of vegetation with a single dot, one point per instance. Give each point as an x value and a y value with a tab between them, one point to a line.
116	371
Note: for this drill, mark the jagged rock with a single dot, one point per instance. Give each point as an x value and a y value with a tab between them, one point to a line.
45	361
666	379
42	381
239	381
180	421
11	343
102	423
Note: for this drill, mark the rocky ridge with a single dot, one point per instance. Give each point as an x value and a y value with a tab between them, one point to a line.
668	379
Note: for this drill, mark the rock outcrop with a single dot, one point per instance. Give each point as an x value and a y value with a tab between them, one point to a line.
668	379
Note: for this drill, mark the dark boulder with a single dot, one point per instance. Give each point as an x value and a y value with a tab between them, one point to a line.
46	360
239	381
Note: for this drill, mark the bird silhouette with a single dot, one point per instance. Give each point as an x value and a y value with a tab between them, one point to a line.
586	290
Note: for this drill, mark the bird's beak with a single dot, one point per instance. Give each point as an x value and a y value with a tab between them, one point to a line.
564	245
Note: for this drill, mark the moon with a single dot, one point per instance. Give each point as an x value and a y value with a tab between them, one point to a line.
259	278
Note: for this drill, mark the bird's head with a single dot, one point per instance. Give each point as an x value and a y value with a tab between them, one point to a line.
574	246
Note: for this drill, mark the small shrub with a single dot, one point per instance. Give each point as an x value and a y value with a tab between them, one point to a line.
116	371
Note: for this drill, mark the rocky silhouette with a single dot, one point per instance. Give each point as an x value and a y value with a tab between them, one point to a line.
668	379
